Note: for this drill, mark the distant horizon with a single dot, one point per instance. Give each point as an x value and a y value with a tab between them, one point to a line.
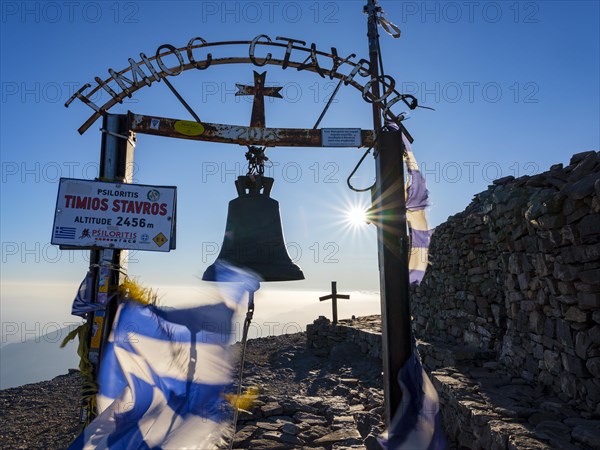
276	308
31	358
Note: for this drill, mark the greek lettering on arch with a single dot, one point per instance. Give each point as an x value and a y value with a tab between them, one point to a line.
136	70
362	65
108	89
314	62
172	61
190	54
337	62
150	66
253	47
122	81
163	66
288	49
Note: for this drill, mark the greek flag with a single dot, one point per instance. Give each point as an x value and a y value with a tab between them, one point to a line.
163	376
416	424
64	232
417	200
82	304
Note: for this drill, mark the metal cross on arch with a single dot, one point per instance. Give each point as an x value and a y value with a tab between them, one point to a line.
259	91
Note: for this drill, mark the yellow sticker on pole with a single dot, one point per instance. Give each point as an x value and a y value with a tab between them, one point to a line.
97	331
103	284
189	128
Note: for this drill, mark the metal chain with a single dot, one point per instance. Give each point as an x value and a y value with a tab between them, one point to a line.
256	160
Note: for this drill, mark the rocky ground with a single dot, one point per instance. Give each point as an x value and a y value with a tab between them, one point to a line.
311	401
305	401
42	415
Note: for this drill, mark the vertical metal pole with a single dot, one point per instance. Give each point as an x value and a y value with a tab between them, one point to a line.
372	34
117	152
116	165
334	301
392	240
390	210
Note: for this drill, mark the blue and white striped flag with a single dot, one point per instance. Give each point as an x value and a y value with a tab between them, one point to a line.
163	376
417	200
416	425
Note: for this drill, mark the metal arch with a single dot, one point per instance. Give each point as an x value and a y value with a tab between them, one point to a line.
157	76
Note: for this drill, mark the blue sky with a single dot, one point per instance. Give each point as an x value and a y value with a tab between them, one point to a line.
515	86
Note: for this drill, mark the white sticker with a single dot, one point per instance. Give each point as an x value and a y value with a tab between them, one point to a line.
341	137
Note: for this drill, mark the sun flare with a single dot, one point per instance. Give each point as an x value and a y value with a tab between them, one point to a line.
356	216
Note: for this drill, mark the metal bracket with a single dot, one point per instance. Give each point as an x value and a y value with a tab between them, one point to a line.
117	135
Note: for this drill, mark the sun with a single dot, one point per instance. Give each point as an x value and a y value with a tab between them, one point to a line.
356	216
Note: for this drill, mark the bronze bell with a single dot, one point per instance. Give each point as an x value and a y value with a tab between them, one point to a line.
253	234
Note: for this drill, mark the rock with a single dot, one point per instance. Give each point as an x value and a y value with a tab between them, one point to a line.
356	408
589	225
563	333
267	444
526	443
364	423
343	420
503	180
371	443
577	421
271	409
290	428
348	444
565	272
575	314
582	188
552	362
314	432
268	426
539	417
587	434
580	253
310	419
242	436
590	276
587	300
550	221
272	435
593	365
338	435
291	439
578	157
582	344
551	430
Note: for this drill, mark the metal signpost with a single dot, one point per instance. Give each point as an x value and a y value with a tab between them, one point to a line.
118	142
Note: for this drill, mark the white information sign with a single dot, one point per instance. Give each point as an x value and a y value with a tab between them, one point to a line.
341	137
96	214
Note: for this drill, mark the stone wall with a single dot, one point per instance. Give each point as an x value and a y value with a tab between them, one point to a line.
365	332
518	273
483	406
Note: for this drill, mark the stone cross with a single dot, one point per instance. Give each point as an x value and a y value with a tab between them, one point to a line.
333	297
259	91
